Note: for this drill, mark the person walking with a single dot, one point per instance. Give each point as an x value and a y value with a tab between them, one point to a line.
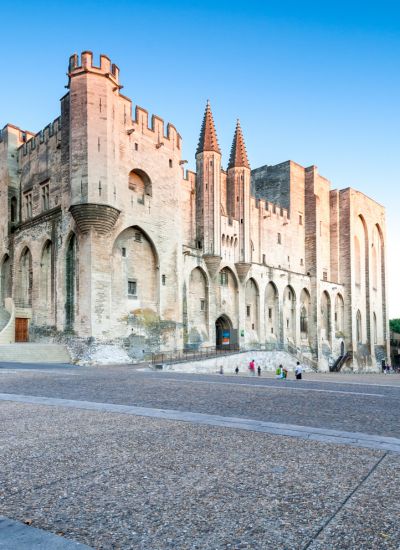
259	370
298	371
237	370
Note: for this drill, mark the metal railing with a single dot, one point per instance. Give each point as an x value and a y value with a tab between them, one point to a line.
210	352
192	354
340	361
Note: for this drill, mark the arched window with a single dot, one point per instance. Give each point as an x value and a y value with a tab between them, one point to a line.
140	183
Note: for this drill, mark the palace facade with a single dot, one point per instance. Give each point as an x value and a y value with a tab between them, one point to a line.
104	237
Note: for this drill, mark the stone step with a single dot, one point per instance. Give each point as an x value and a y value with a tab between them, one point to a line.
34	353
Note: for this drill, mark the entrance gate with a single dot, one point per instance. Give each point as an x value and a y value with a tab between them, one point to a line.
226	337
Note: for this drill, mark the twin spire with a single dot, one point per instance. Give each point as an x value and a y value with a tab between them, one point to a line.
208	136
208	141
238	150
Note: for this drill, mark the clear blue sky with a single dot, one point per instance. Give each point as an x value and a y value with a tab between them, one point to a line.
316	82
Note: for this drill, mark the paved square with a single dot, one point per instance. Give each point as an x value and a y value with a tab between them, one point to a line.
112	479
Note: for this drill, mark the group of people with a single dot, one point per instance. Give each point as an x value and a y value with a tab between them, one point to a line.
281	371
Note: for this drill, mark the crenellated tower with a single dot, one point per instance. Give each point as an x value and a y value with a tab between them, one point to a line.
91	108
238	198
208	192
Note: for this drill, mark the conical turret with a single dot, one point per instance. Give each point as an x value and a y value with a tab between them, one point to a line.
208	136
238	197
238	156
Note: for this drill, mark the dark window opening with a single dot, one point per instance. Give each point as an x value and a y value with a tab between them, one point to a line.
132	287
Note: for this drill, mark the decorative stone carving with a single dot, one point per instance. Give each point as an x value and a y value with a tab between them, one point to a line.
242	269
100	217
212	262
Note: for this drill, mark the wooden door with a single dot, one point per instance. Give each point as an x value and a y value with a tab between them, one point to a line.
21	329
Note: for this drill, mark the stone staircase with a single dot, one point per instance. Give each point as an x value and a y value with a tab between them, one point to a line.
34	353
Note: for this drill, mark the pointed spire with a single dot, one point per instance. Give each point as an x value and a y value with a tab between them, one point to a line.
208	136
238	151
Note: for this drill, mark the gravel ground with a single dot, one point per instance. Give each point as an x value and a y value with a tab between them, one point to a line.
224	396
112	481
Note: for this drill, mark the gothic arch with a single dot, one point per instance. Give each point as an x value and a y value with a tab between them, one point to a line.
227	295
70	280
325	316
45	280
272	312
5	279
198	307
135	272
305	309
24	279
252	297
339	313
289	315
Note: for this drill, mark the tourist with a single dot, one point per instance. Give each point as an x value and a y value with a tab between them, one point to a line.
259	370
278	372
284	373
237	370
252	367
298	371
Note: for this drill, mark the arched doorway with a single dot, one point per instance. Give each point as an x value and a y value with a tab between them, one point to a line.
224	334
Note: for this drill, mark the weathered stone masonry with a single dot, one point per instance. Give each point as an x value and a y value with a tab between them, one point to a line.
104	238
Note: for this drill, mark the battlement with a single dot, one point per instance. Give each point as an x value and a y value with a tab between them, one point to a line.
157	127
43	136
84	64
270	208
